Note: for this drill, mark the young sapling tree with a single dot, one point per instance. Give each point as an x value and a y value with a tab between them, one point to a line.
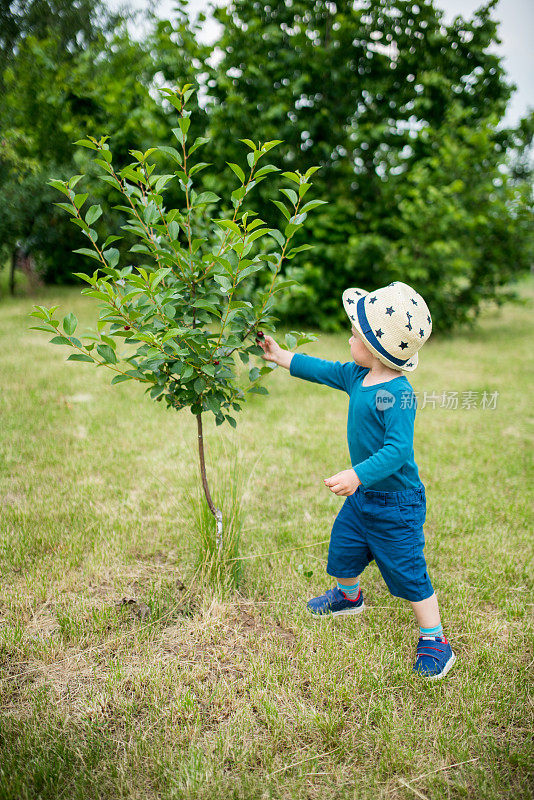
173	322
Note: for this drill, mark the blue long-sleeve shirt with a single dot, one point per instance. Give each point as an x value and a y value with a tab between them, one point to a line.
380	424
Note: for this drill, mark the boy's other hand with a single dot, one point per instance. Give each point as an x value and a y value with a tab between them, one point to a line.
273	352
343	483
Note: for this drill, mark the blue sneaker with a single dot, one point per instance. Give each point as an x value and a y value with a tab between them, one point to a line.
334	604
434	657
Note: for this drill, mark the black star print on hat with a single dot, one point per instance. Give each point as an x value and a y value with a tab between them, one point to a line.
349	301
409	325
403	345
414	301
429	320
379	333
372	300
390	310
421	332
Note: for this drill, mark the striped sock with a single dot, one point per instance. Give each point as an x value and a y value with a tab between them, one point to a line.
350	592
431	633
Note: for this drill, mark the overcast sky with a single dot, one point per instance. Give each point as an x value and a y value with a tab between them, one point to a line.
516	29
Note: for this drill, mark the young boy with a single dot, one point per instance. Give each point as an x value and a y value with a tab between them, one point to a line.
383	515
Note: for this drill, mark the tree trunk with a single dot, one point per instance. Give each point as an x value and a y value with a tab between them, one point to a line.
217	513
12	272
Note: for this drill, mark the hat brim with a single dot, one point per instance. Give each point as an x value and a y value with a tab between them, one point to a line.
354	295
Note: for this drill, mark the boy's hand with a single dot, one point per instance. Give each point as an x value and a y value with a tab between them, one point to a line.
273	352
343	483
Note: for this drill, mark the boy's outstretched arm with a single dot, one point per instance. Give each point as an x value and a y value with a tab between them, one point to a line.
273	352
318	370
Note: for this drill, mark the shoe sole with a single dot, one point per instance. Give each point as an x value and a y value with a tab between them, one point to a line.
443	672
346	612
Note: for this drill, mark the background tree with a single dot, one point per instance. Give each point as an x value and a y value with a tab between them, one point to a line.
68	69
375	92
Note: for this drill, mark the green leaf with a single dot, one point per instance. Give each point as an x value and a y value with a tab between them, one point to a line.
258	390
254	224
59	340
248	271
277	236
199	141
107	353
228	223
290	229
86	143
108	340
111	239
93	214
95	293
198	167
183	124
162	181
253	374
208	306
112	256
293	252
212	404
84	251
290	341
49	329
223	282
80	199
60	185
251	237
231	420
312	204
69	324
269	145
173	152
282	208
291	195
66	207
237	195
266	169
156	391
238	171
249	143
81	357
206	197
292	176
151	213
121	378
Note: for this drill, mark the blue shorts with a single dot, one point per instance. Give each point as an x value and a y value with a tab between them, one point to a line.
386	527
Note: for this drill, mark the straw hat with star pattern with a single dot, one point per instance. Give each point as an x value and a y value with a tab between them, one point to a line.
394	322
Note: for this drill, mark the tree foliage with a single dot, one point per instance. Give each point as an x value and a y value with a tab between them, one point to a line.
177	315
402	111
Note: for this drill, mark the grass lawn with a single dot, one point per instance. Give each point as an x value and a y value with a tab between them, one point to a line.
125	672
